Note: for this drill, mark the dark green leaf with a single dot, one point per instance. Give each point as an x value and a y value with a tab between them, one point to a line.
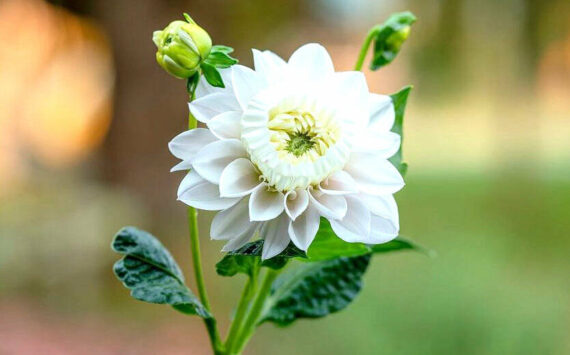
246	258
400	99
151	273
212	75
316	289
389	38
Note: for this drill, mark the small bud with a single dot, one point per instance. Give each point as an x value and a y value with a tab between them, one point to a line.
398	38
182	47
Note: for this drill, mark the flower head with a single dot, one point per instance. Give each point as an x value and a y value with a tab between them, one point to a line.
287	143
181	48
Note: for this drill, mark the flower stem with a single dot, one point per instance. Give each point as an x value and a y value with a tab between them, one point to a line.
255	311
243	305
197	263
364	49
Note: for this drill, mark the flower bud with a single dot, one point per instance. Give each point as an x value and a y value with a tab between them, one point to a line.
182	46
398	38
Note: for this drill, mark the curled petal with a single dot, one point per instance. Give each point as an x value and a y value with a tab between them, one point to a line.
199	193
209	106
296	202
231	222
226	125
239	178
330	206
339	183
276	238
241	239
211	160
264	204
185	145
355	226
303	230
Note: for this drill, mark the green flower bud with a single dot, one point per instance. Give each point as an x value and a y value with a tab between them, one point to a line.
182	46
398	38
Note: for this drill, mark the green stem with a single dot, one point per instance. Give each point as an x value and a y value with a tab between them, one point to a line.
197	263
365	46
243	305
255	311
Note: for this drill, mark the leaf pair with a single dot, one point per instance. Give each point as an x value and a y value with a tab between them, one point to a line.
218	58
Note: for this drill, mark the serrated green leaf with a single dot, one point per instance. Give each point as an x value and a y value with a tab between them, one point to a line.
220	60
316	289
400	99
212	75
246	258
150	272
389	38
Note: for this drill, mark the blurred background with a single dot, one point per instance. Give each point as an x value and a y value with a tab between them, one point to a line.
86	114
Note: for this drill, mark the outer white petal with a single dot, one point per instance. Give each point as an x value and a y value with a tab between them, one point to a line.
384	144
183	165
211	160
185	145
199	193
231	222
209	106
383	206
339	183
265	205
355	226
204	88
382	230
276	236
296	202
374	174
241	239
247	83
303	230
382	114
226	125
311	62
349	92
239	178
330	206
269	65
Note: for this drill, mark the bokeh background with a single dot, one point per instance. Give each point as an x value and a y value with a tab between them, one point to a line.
86	114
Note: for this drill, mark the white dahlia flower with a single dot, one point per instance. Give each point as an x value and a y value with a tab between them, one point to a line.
287	143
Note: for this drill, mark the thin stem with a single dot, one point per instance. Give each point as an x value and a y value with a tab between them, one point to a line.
243	305
197	263
364	49
255	311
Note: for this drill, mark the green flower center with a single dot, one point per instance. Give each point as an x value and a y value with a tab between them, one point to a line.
299	143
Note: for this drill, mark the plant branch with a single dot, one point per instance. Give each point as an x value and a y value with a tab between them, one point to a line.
365	46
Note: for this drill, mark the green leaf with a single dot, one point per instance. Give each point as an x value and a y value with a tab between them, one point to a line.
212	75
151	273
315	290
389	38
192	83
246	258
400	99
222	48
220	60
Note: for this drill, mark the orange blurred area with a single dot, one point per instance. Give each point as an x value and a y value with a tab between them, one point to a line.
57	84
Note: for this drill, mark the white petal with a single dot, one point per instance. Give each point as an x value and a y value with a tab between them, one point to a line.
185	145
384	144
330	206
373	174
199	193
382	230
339	183
211	160
355	226
209	106
383	206
231	222
296	202
350	93
303	230
241	239
204	88
382	114
270	66
247	83
183	165
275	235
311	62
265	205
226	125
239	178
